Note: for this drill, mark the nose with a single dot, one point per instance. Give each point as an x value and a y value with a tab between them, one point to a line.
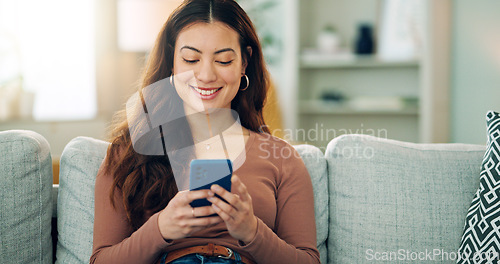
206	73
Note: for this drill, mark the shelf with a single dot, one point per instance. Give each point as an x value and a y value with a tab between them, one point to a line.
315	60
318	107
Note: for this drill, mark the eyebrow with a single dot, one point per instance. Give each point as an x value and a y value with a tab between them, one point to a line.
216	52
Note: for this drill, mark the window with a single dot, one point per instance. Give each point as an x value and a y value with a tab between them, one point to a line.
50	45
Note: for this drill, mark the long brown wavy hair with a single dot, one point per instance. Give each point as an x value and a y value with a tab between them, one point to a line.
146	182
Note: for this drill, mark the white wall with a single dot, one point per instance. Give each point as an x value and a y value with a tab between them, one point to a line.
475	68
58	134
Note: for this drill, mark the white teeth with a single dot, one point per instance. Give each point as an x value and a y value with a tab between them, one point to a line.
206	92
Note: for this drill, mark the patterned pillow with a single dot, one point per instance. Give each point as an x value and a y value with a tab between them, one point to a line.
481	238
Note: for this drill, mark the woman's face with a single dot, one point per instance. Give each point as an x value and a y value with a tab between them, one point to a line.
208	66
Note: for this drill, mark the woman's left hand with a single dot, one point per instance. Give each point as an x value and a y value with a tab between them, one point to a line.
237	213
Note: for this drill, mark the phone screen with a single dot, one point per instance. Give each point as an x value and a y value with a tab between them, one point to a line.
205	172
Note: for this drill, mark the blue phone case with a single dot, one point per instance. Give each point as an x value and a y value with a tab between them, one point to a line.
205	172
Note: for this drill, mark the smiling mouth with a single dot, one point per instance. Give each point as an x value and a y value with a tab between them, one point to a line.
206	91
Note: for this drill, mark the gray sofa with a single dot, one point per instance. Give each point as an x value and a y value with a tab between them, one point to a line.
375	199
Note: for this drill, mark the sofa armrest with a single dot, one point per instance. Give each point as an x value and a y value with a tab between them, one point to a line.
25	197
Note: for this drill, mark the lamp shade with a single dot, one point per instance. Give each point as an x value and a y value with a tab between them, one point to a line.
140	21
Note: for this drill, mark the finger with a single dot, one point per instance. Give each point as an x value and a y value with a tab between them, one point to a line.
240	188
201	225
203	211
229	197
195	195
189	226
188	231
222	214
204	221
223	206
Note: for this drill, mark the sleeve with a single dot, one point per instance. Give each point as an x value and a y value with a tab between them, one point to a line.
114	239
294	238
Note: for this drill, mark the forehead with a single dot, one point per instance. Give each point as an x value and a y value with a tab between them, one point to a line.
208	36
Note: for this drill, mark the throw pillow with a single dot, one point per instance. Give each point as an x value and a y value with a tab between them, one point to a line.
481	238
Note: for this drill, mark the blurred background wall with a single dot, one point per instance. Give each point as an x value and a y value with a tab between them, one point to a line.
474	73
475	68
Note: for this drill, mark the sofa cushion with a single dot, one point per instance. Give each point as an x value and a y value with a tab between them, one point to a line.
481	238
316	166
398	201
25	198
80	162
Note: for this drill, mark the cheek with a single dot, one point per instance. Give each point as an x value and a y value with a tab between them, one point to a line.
231	77
182	78
183	74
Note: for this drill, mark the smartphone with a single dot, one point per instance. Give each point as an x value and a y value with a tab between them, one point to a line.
205	172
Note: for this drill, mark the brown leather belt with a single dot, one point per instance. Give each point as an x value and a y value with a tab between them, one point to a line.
209	250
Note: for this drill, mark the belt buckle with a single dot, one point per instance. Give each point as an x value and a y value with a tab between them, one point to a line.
229	252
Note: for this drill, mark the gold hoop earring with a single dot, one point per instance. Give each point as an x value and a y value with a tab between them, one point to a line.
248	83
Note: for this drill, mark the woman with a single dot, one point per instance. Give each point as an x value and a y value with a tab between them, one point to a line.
143	216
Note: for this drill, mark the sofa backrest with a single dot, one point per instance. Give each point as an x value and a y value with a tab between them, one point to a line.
25	198
398	200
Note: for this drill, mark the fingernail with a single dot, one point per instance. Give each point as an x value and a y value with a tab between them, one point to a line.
210	198
210	193
216	187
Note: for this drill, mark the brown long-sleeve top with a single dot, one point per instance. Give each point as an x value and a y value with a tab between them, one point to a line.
283	202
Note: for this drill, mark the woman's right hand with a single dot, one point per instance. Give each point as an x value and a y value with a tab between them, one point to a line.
179	219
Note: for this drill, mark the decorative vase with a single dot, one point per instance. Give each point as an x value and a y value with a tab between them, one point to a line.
364	42
328	40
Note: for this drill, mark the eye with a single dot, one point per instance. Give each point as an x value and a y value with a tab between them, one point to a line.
190	61
225	62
